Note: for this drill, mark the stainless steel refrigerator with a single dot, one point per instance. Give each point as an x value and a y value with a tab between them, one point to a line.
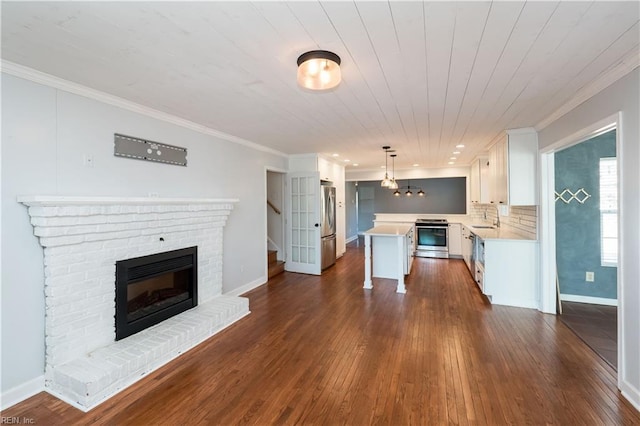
328	225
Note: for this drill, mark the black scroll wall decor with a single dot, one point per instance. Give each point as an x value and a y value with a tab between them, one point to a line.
142	149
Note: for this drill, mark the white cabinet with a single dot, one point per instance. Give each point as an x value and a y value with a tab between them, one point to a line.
455	240
409	251
513	168
479	181
510	273
467	247
387	253
479	276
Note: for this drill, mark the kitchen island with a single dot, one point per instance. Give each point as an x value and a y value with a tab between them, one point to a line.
388	252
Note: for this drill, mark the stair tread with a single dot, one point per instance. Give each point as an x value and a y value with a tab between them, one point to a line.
272	256
276	268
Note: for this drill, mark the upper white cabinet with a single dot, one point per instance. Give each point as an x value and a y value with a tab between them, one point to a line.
479	181
513	168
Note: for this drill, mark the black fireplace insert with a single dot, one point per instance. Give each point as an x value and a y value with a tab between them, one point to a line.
152	288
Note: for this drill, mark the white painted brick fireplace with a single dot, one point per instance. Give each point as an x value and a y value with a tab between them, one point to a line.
83	237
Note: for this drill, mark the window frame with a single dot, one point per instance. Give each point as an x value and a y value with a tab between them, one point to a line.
608	191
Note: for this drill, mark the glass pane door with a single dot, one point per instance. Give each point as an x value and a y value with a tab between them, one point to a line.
303	227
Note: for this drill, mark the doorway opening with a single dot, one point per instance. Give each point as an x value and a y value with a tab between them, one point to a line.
586	210
275	233
579	235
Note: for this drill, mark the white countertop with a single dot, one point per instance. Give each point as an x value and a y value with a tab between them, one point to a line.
485	234
495	234
399	230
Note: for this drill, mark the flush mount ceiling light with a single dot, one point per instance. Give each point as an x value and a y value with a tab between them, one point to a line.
319	70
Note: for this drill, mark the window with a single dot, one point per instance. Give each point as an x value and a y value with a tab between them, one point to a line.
608	212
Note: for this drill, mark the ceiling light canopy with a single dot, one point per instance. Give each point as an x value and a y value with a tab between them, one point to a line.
319	70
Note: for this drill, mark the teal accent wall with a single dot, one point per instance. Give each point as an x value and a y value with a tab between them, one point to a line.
578	225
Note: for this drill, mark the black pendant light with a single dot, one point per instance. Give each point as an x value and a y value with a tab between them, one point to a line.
393	184
409	192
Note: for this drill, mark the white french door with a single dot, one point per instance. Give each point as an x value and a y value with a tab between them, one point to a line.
303	223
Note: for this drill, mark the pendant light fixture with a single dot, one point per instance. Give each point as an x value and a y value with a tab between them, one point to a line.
386	181
393	184
409	192
319	70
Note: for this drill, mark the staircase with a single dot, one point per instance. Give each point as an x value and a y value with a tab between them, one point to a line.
275	266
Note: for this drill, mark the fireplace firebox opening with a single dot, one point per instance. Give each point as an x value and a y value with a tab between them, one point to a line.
151	289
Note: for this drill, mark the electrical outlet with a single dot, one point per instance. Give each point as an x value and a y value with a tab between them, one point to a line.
589	277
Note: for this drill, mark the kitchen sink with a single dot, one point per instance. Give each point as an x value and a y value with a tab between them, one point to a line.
483	226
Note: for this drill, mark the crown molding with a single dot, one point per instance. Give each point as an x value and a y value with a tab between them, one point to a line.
78	89
615	73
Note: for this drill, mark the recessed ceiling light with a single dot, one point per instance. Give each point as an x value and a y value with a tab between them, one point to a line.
356	164
460	146
456	152
416	165
336	155
452	158
346	160
452	162
382	167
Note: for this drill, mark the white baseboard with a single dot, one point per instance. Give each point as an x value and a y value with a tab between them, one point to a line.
631	394
518	303
22	392
588	299
348	240
247	287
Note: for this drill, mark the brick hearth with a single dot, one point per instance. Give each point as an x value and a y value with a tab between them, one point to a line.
83	237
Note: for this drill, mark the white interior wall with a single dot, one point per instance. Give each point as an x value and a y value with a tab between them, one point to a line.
46	133
622	96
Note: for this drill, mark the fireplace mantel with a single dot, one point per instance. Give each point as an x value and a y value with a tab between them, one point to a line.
63	200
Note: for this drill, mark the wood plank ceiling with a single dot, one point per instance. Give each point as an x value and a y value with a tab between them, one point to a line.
421	77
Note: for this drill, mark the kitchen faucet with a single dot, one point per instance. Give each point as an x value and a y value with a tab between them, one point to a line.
497	223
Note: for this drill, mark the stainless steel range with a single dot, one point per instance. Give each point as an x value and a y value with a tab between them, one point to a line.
432	238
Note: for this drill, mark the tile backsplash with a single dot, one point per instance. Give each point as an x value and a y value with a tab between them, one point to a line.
521	219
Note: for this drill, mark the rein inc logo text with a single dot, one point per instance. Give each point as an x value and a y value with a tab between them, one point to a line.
4	420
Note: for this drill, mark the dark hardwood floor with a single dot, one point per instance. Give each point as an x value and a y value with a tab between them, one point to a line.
596	325
322	350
